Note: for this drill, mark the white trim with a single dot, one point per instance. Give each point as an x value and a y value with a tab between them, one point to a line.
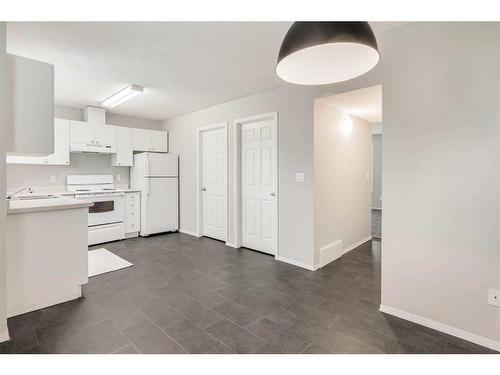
457	332
237	184
377	129
188	232
231	244
237	175
330	253
4	336
376	208
296	263
359	243
199	172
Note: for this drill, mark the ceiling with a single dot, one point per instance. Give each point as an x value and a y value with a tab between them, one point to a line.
183	66
365	103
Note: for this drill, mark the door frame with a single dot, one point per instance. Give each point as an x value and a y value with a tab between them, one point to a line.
237	194
199	176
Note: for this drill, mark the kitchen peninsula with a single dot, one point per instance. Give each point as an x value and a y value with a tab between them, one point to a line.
46	251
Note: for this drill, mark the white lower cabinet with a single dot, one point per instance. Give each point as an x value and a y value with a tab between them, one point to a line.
132	214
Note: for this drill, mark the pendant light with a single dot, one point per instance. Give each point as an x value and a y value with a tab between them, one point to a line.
316	53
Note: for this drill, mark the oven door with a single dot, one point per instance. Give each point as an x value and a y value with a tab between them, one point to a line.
106	209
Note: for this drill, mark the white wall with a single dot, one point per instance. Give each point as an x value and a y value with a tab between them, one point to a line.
73	113
295	155
19	176
342	182
295	106
3	278
441	174
441	168
377	171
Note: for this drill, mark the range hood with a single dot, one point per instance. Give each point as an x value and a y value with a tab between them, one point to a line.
92	136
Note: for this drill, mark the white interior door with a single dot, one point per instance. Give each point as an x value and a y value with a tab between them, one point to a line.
214	183
258	185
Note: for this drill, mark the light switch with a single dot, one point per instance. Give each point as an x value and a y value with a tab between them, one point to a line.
118	177
299	177
52	178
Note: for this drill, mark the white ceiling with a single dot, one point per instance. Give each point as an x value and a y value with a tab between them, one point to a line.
183	66
365	103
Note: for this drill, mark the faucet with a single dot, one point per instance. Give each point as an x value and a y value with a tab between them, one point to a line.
14	194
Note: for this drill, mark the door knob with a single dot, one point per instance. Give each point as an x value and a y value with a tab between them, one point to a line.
203	189
273	194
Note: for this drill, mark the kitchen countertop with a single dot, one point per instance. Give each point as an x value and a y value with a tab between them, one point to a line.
64	192
18	206
129	190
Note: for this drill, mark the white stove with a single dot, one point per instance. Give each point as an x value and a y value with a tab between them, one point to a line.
106	216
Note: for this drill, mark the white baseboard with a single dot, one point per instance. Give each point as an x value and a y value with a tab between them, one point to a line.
296	263
457	332
333	251
4	336
70	296
189	233
359	243
330	252
232	244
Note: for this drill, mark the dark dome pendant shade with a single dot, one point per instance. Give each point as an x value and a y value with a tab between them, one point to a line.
316	53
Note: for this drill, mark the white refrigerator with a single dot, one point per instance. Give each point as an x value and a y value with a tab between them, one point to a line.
156	176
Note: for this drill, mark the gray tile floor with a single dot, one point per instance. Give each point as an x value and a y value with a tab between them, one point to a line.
190	295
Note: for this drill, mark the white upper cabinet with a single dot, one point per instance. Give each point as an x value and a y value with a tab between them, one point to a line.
105	135
61	143
142	140
150	140
61	148
124	156
159	141
89	137
81	133
30	106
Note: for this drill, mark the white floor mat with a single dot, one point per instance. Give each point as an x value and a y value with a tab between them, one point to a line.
103	261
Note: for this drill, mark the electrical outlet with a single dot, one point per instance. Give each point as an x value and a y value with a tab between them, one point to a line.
299	177
494	297
52	178
118	177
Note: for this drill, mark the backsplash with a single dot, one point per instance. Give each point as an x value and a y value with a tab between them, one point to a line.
25	175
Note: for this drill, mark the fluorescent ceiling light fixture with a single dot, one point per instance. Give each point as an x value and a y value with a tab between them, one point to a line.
123	95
